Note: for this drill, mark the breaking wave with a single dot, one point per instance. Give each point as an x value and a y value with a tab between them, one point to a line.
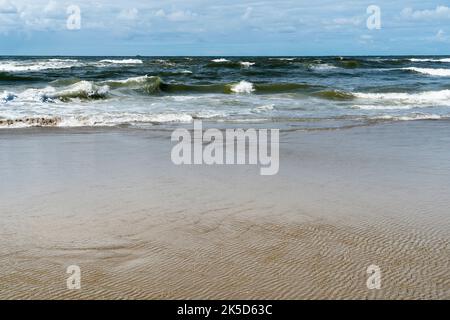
122	61
37	65
430	71
429	60
441	97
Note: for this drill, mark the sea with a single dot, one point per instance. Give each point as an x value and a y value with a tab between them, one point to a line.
296	92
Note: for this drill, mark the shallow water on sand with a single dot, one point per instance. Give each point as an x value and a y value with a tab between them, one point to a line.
112	202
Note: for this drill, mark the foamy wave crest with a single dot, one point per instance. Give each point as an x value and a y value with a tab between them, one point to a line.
283	59
122	61
416	116
7	96
37	95
384	107
221	60
243	87
80	90
265	108
247	64
128	81
323	67
429	97
429	60
111	120
430	71
37	65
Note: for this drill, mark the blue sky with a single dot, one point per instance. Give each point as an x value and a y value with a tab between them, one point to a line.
224	27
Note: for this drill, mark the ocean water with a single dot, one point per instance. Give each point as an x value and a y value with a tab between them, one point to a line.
300	92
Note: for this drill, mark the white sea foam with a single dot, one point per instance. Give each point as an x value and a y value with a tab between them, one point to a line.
139	79
430	71
263	108
122	61
86	88
81	89
247	64
383	107
94	120
109	119
429	60
7	96
417	116
37	65
323	67
283	59
243	87
37	95
221	60
441	97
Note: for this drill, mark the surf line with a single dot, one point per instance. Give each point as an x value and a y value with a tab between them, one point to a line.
236	146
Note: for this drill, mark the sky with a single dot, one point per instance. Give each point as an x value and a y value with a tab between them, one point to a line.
224	27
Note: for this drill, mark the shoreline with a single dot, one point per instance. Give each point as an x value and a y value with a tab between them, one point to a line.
111	201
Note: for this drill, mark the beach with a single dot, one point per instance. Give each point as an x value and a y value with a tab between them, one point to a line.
111	201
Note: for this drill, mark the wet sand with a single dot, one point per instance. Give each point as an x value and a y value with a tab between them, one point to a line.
139	227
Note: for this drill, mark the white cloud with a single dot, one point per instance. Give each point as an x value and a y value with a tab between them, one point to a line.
6	7
160	13
440	36
178	15
440	12
129	14
348	21
365	39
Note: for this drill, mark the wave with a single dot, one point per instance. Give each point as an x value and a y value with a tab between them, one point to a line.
323	67
334	95
7	96
83	90
122	61
54	64
243	87
264	108
155	85
383	107
37	65
430	71
441	97
67	89
13	77
413	117
247	64
283	59
221	60
445	60
130	81
348	63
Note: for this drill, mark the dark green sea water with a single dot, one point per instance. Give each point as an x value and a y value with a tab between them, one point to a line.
304	92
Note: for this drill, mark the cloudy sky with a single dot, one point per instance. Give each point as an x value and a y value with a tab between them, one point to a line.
223	27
